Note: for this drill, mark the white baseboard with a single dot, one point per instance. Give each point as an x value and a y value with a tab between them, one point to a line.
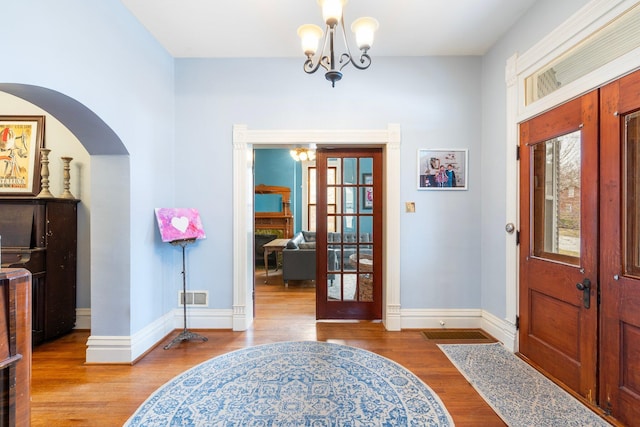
203	318
83	318
500	329
432	318
126	349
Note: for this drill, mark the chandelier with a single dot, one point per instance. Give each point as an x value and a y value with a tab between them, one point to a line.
364	28
303	154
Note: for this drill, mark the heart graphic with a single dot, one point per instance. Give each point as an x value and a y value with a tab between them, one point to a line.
180	223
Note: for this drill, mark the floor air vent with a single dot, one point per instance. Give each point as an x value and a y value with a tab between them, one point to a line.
193	298
461	335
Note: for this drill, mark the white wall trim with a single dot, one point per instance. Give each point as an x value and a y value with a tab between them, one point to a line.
391	230
243	142
512	195
126	349
578	27
500	329
83	318
203	318
430	318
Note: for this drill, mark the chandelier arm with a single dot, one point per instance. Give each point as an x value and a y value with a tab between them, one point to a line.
345	59
365	59
309	66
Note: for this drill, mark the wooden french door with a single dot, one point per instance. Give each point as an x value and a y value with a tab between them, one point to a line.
559	243
349	234
620	252
580	246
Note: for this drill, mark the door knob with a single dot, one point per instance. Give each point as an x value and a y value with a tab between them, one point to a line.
585	287
510	228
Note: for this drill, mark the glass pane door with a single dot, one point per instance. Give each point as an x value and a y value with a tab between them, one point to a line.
352	233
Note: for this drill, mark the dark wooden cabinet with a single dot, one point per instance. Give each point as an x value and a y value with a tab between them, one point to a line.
15	347
41	236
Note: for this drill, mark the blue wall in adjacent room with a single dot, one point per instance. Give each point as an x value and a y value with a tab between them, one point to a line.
275	166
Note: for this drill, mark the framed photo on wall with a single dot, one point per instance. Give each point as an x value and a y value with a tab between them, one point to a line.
21	138
443	169
367	194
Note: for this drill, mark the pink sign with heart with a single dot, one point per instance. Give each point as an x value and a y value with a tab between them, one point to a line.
179	224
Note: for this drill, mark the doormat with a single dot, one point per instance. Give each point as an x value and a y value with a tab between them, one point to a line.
519	394
466	335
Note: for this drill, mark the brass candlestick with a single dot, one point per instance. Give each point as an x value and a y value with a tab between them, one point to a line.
44	173
66	175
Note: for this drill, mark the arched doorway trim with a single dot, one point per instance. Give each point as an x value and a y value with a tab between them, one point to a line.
92	132
110	191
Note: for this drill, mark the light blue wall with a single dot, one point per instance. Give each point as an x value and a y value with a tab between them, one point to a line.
435	100
103	60
543	17
175	118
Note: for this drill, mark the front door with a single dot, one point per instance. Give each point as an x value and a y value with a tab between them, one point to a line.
349	234
620	253
559	246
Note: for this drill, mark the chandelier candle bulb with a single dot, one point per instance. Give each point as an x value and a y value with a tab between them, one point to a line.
310	35
332	11
364	29
303	154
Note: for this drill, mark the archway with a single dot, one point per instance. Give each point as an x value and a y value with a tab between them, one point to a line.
109	186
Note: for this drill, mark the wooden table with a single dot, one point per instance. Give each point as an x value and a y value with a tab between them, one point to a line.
276	246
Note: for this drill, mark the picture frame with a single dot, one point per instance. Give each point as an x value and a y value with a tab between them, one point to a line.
21	139
432	163
367	193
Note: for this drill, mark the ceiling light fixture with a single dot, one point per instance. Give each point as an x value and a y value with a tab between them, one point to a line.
303	154
364	29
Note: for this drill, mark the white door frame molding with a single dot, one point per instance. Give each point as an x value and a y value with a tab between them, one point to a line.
244	141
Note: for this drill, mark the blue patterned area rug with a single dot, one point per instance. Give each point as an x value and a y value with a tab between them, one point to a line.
518	393
294	384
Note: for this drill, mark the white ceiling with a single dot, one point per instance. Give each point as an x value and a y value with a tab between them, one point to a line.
267	28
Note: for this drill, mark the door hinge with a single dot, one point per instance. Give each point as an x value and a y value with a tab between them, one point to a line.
517	152
517	323
518	237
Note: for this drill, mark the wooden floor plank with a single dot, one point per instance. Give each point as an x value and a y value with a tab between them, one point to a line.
68	392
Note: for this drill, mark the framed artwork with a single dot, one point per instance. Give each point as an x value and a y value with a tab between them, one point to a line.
367	194
177	224
21	138
443	169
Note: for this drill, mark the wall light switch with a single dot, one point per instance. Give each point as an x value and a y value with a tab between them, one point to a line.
410	207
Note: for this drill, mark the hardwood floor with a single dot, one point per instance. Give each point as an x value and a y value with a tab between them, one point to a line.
68	392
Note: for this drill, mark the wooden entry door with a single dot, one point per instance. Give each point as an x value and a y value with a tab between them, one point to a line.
558	253
620	259
349	234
